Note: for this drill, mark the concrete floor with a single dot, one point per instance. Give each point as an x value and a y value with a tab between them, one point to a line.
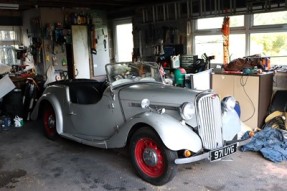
29	161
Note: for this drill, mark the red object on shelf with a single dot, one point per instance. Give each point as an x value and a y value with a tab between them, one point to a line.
165	65
233	72
26	75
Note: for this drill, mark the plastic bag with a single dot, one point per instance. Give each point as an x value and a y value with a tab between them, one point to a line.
50	75
18	121
29	63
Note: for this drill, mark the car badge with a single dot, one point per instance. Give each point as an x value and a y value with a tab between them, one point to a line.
213	96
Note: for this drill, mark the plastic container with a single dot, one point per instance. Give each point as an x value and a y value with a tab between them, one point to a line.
6	123
179	77
237	108
175	61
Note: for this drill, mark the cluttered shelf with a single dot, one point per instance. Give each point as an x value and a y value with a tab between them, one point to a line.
250	81
239	73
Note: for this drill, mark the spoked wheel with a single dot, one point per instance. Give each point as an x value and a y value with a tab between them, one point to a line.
152	160
49	120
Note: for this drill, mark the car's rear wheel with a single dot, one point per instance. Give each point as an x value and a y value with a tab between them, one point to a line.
49	120
152	160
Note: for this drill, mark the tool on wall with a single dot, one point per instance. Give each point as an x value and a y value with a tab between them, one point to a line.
31	93
94	40
225	30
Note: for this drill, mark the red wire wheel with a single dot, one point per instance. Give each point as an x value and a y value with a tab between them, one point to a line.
153	162
149	157
49	120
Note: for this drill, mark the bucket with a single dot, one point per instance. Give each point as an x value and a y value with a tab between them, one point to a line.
179	77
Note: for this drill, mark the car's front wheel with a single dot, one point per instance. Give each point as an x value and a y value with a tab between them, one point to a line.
152	160
49	120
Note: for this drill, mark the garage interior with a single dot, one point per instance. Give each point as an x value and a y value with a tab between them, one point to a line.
236	48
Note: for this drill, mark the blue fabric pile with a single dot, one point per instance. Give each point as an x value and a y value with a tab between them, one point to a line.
271	142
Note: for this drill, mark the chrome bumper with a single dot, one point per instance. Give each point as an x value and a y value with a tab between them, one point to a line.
206	155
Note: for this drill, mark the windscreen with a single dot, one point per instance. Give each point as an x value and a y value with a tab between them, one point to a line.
124	73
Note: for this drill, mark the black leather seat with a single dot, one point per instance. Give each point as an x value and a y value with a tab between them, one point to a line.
83	91
84	94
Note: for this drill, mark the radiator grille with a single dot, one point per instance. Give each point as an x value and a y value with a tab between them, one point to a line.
209	120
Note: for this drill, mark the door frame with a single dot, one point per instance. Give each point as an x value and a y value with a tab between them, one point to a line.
116	22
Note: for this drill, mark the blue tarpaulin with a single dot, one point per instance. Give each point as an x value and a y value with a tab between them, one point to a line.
271	142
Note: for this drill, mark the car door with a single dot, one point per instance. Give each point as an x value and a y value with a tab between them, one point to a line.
97	121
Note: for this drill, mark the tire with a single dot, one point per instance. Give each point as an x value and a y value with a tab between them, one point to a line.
49	122
153	162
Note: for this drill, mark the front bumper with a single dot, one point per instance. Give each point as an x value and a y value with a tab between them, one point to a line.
206	155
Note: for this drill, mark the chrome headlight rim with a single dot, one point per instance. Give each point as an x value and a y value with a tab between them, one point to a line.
187	111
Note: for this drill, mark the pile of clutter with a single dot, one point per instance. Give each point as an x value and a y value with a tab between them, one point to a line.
254	64
6	122
271	139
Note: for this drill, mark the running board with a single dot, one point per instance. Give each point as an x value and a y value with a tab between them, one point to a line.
93	143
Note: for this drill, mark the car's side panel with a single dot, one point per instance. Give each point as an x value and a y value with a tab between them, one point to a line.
160	96
96	120
175	135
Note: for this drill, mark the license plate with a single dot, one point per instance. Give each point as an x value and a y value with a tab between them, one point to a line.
223	152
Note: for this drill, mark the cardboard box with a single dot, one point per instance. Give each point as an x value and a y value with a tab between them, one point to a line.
6	85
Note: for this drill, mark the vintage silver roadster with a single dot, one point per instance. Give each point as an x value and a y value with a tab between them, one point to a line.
162	125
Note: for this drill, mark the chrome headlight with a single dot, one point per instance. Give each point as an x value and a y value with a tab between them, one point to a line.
229	102
145	103
187	111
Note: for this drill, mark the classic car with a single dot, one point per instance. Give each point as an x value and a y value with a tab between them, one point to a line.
161	125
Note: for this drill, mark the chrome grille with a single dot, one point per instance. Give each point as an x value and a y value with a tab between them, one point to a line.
209	120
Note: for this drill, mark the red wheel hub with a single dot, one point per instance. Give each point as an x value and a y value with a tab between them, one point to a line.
149	157
49	122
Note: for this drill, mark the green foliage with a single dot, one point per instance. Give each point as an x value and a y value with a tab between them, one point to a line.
272	43
279	43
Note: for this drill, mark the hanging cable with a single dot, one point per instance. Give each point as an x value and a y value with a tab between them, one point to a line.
243	84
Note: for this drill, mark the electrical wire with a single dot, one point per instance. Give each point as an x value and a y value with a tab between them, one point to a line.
243	83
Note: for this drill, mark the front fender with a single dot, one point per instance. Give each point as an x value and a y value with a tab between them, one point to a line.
231	124
175	135
51	99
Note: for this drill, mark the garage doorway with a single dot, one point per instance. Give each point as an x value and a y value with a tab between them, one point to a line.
123	40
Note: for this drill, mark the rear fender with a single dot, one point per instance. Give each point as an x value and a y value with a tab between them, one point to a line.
54	102
174	134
